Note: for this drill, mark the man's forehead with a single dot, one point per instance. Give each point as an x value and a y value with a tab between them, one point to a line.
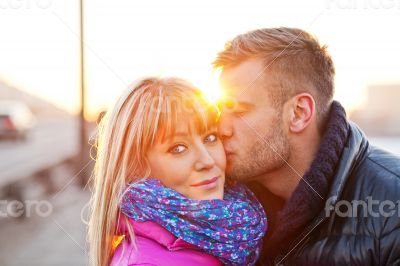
246	75
243	83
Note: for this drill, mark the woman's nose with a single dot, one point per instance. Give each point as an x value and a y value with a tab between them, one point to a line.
204	160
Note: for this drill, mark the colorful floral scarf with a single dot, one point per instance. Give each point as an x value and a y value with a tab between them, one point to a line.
230	229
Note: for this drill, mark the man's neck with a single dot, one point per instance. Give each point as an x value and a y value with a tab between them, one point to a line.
283	181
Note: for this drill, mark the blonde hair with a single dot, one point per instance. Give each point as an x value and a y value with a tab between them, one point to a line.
148	110
296	60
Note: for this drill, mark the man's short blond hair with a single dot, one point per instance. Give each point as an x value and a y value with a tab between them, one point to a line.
293	57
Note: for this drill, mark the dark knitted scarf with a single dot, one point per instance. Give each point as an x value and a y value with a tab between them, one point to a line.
304	204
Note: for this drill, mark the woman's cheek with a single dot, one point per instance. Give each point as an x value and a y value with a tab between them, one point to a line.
221	157
180	169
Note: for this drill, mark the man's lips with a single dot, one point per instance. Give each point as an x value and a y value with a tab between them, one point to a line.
205	182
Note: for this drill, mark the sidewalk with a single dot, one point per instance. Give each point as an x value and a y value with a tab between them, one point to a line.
55	240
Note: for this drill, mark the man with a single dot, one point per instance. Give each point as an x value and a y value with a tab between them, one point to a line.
331	198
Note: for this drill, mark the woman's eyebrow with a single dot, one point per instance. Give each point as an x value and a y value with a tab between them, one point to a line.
176	134
180	134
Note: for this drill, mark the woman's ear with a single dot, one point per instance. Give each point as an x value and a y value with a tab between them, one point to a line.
302	112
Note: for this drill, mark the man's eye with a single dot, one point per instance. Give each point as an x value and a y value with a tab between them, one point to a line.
177	149
211	137
239	113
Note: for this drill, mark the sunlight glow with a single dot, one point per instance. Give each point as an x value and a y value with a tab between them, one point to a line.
211	88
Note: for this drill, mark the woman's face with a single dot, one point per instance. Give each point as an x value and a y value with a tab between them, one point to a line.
190	163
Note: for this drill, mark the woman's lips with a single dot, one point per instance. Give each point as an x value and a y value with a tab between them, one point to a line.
209	183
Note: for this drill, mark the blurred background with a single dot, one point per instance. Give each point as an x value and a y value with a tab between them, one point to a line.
62	64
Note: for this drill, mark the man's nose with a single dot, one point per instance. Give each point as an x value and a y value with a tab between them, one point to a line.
204	160
225	127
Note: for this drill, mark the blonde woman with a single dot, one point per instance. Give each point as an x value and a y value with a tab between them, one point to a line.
159	194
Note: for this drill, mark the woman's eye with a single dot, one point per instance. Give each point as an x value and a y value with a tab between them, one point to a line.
211	138
177	149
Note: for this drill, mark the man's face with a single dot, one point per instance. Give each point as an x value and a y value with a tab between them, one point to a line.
252	129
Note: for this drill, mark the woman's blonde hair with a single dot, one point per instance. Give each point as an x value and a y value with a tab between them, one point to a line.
146	111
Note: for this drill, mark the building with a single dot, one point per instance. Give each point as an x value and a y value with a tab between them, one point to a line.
381	113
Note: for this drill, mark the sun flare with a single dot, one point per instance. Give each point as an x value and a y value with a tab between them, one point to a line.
211	89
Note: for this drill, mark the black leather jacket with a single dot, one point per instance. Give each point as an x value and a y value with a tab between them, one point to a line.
351	229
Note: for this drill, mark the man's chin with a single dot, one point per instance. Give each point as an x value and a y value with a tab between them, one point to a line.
235	175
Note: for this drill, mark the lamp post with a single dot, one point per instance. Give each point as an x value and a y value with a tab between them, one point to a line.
83	151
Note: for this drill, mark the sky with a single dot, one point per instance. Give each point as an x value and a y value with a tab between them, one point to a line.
126	40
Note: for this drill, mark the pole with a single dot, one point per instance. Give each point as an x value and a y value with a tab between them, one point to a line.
84	151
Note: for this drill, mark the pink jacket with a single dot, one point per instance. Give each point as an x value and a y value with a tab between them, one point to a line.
157	246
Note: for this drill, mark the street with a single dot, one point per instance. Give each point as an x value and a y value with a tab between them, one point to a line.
54	240
51	231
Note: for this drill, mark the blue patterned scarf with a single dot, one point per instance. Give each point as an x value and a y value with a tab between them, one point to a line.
230	229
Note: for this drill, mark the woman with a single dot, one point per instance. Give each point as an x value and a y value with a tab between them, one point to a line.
159	195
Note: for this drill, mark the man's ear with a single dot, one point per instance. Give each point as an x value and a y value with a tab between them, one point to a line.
302	112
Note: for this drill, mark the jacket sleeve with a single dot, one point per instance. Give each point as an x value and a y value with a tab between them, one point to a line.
390	247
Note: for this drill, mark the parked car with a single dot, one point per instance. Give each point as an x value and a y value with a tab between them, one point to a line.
16	120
